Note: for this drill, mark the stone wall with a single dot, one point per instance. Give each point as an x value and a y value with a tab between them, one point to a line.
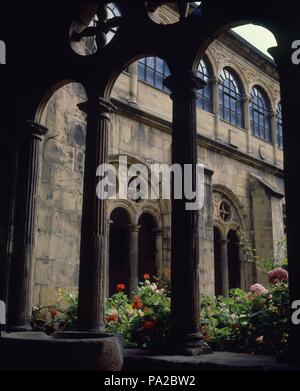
59	196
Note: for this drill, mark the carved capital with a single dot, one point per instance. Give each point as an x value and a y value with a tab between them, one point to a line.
184	83
134	227
98	107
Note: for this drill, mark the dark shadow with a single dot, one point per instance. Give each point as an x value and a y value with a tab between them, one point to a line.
119	272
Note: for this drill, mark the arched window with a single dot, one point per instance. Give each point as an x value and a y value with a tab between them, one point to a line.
204	96
260	117
153	70
231	93
279	131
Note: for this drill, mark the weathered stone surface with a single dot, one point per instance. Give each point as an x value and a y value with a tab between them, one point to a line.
76	133
73	352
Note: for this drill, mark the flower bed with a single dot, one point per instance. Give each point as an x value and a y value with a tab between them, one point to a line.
256	321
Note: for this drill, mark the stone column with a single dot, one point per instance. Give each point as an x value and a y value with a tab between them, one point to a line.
247	124
159	234
133	69
109	222
134	257
19	300
274	136
216	105
224	267
93	260
186	338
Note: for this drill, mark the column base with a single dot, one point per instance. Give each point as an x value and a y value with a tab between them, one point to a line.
191	345
19	329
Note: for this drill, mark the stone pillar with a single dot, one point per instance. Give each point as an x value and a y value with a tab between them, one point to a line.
93	260
19	300
186	338
274	136
109	222
216	104
159	234
133	69
247	124
134	257
224	267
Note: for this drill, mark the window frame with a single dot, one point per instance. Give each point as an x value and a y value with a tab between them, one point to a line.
205	95
279	126
231	93
260	114
159	72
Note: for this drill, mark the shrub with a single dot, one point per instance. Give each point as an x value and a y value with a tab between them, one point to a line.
254	322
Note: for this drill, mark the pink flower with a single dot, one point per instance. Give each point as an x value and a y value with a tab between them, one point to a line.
258	289
278	275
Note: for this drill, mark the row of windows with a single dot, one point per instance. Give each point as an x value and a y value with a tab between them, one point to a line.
154	70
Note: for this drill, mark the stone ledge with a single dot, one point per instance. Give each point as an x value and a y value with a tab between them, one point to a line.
139	360
36	351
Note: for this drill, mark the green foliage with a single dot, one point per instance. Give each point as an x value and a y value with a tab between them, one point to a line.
247	322
60	316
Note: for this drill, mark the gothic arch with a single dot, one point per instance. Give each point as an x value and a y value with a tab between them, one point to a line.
241	222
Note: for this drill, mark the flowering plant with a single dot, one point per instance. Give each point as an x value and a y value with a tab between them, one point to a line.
145	320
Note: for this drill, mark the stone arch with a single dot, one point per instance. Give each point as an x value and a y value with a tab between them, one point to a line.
124	204
230	269
45	99
238	206
266	88
213	62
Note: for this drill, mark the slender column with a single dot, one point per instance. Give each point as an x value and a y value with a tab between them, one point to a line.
133	69
109	222
134	257
274	136
19	302
93	260
216	105
159	234
185	251
224	267
246	102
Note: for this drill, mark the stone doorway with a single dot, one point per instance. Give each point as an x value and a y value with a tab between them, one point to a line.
218	261
234	264
119	269
147	246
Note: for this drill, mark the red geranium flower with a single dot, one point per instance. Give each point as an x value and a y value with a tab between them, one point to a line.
149	325
112	318
137	303
146	276
120	287
53	313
